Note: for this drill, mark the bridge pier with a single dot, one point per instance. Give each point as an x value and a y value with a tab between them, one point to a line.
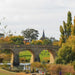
12	58
37	58
52	58
16	60
32	59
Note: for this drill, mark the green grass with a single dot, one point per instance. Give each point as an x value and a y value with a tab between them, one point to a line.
3	74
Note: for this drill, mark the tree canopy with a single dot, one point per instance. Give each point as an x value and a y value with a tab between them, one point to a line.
16	39
65	30
30	34
66	53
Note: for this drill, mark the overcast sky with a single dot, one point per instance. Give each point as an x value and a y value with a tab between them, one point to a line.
38	14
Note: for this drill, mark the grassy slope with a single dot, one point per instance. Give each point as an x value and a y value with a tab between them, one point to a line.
4	72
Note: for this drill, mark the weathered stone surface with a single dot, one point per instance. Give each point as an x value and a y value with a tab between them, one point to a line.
34	49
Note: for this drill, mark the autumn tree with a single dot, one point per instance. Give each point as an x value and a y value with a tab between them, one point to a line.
17	39
65	30
66	54
47	42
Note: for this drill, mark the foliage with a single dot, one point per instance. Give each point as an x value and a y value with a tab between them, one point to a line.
17	39
12	39
66	53
41	42
56	43
30	34
27	43
36	65
54	69
66	28
73	63
46	42
4	40
44	56
5	57
26	55
36	42
33	42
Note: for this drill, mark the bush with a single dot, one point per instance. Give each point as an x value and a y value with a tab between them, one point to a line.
65	55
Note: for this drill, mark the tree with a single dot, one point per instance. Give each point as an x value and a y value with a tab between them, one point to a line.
65	30
47	42
17	39
66	53
69	23
36	42
30	34
73	28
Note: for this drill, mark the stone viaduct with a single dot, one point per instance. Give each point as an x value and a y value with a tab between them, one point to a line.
34	49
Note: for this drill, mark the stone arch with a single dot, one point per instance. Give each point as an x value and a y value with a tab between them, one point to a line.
44	56
12	56
52	55
32	57
32	54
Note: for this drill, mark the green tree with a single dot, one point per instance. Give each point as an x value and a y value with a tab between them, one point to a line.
47	42
65	30
65	55
69	23
30	34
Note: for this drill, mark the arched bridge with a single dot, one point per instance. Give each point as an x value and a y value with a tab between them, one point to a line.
34	49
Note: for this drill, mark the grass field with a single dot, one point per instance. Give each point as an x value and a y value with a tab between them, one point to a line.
4	72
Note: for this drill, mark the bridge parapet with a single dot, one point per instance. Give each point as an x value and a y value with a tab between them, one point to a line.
27	46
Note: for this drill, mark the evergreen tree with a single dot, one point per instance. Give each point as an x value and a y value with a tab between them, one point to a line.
69	23
66	28
73	27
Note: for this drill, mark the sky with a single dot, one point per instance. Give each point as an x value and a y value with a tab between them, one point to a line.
41	15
